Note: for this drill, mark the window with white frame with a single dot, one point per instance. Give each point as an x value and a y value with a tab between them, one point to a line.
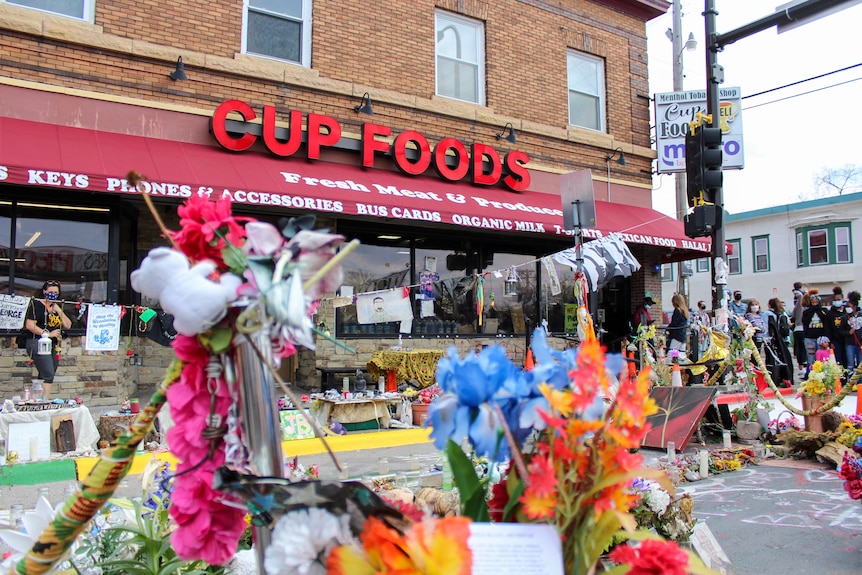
460	57
702	265
734	258
81	9
586	79
824	245
279	29
760	249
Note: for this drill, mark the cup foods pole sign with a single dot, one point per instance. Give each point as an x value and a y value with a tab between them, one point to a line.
673	112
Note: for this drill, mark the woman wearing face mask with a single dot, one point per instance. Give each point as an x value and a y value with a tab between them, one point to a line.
46	316
851	332
756	318
815	323
778	359
836	315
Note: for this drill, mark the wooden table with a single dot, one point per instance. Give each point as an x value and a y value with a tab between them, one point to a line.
355	411
419	365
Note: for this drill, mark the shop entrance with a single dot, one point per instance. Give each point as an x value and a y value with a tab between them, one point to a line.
613	311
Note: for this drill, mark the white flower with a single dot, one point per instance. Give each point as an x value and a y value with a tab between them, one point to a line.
302	541
657	499
35	522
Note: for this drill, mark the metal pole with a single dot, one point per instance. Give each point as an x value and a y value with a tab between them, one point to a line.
680	180
714	76
260	425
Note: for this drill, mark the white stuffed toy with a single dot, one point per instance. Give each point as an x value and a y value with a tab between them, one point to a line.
196	302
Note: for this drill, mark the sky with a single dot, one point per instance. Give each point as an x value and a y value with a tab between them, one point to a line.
787	143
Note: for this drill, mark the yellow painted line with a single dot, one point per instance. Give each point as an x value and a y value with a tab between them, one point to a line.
297	447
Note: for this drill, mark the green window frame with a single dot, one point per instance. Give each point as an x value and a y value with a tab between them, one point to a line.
826	244
734	259
702	265
760	253
667	272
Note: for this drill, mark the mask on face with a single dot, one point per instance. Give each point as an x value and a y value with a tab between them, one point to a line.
703	307
836	304
52	296
849	309
755	308
647	306
737	297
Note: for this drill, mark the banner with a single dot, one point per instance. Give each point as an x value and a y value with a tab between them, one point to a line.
12	311
103	328
385	306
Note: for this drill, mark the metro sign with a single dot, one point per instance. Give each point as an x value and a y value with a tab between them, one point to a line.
482	165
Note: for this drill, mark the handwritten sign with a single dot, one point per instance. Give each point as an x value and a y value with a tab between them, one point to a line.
515	549
103	328
294	425
12	310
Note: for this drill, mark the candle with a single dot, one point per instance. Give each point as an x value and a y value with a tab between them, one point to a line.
345	384
726	436
671	451
34	448
704	463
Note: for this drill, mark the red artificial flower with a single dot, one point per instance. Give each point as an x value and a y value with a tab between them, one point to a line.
652	557
206	227
854	488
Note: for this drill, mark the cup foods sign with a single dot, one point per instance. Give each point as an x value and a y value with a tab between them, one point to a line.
674	111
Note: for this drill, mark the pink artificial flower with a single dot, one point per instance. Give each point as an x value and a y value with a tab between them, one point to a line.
315	249
263	239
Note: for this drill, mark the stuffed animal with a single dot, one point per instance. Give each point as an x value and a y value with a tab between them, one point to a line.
196	302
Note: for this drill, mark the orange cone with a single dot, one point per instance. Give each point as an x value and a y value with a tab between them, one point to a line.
858	400
676	376
529	363
633	368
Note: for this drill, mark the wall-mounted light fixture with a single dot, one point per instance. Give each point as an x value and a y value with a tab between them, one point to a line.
511	137
620	159
510	287
180	72
364	106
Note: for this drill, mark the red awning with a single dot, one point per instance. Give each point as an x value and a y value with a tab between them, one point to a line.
67	158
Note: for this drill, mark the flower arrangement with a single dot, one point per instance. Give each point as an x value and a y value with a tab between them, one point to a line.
571	430
850	432
850	471
791	423
657	509
822	379
428	395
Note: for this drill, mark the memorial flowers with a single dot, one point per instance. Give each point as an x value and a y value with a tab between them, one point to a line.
822	379
571	429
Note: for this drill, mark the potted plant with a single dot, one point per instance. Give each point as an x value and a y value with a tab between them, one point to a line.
746	417
818	389
423	400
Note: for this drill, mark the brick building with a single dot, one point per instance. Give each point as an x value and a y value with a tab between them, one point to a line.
537	89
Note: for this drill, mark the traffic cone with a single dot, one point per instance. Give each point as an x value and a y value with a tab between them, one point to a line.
676	376
632	365
858	400
529	363
832	360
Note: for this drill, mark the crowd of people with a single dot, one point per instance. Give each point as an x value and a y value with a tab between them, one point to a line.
819	327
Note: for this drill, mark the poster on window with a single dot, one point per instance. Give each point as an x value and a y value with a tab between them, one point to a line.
385	306
426	285
103	328
12	311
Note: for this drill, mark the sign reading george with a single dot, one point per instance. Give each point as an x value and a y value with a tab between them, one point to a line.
482	164
674	111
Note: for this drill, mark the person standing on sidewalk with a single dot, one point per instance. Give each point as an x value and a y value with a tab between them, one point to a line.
815	322
800	302
46	316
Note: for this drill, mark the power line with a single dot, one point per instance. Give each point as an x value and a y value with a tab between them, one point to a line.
802	94
802	82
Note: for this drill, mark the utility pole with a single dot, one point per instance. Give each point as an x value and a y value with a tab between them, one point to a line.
681	195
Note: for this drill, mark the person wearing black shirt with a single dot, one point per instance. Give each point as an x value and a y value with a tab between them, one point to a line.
46	316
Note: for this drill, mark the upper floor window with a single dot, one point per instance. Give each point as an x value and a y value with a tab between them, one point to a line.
82	9
702	265
734	258
667	272
822	245
760	248
586	78
460	56
279	29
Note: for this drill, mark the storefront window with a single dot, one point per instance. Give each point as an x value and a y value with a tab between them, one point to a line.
52	242
442	273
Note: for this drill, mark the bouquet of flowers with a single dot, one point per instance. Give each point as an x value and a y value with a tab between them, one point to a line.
571	430
428	395
851	472
822	379
657	509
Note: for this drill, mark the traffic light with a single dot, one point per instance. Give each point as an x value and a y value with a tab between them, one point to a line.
702	221
702	164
